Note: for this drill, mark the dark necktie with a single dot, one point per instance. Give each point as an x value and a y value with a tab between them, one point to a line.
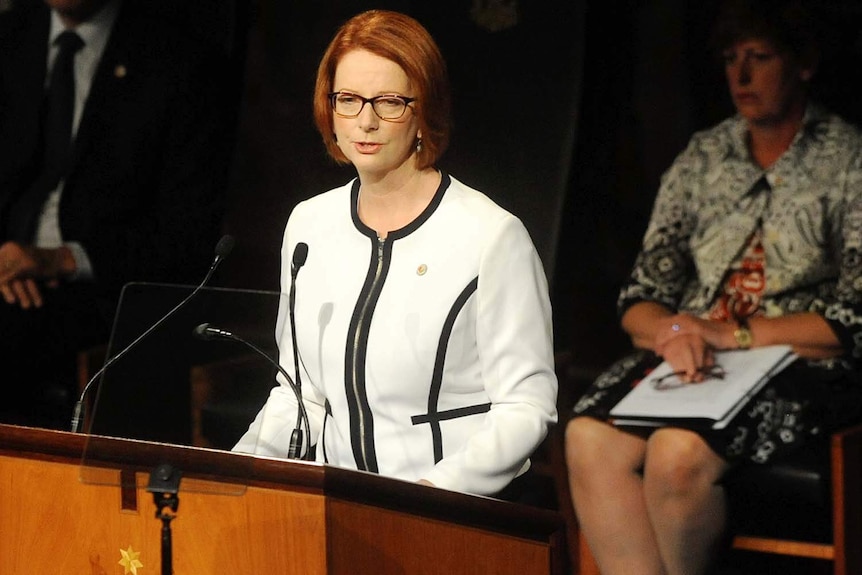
57	120
61	106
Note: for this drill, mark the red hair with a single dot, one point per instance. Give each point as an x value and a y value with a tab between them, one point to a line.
406	42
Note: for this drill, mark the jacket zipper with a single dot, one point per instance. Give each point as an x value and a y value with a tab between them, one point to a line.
359	329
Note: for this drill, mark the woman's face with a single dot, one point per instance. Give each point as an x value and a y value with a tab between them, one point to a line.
374	146
767	85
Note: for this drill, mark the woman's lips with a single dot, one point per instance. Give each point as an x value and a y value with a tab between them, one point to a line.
367	147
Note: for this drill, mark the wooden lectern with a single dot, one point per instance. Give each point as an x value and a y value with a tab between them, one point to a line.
286	517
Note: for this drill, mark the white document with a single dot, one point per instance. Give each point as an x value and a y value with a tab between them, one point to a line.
711	402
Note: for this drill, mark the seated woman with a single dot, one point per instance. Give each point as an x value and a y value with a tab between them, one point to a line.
754	240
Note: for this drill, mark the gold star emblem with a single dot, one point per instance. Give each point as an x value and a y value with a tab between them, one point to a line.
130	561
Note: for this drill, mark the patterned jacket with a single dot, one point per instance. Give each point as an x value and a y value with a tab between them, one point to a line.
809	203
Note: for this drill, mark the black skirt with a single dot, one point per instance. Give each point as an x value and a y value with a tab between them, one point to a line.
803	403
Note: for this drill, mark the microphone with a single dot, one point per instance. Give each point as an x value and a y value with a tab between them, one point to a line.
300	254
207	332
222	250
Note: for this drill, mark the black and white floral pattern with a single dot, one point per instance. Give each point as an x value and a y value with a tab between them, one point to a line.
810	206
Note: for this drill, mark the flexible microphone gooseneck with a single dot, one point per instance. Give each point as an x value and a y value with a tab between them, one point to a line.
222	250
300	254
207	332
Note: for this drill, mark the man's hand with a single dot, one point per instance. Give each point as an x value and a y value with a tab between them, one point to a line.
24	270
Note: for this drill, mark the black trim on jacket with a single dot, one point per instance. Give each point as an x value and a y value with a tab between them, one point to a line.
434	417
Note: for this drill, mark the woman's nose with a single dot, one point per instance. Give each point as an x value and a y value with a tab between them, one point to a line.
367	118
744	72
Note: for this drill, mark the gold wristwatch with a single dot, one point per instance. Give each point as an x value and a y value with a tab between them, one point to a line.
742	334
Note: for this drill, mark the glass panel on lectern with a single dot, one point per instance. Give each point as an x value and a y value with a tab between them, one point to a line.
175	388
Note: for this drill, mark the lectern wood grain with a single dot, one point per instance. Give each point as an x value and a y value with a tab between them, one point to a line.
293	517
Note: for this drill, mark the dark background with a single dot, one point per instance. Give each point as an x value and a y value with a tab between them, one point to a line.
566	112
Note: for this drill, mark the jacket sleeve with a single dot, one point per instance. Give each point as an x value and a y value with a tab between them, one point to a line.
844	313
665	263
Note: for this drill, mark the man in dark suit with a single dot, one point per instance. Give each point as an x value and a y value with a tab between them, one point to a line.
136	196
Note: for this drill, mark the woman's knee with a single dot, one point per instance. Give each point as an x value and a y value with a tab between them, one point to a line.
592	444
584	435
680	461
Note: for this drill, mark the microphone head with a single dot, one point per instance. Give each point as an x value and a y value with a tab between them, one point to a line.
203	331
300	254
224	246
207	332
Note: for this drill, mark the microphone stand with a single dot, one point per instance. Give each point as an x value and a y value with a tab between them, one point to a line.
300	254
207	332
165	485
223	249
164	481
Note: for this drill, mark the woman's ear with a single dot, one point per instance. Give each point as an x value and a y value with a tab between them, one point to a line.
808	64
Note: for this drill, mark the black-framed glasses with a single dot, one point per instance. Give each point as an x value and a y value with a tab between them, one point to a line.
672	380
387	106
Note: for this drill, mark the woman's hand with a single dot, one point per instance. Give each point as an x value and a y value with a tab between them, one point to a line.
688	343
715	334
690	354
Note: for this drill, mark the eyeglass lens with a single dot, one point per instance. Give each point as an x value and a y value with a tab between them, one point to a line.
672	380
386	107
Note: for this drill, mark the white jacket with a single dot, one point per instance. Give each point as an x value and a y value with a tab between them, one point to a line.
427	355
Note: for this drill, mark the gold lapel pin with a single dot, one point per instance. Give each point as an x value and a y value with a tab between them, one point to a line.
120	71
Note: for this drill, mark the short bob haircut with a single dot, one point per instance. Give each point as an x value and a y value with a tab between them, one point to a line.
406	42
790	25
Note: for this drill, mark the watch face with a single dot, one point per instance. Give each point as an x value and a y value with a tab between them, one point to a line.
743	337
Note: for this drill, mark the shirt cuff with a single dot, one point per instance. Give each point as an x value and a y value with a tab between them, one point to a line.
83	266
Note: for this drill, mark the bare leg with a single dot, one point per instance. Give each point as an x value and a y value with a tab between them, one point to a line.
686	506
607	492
